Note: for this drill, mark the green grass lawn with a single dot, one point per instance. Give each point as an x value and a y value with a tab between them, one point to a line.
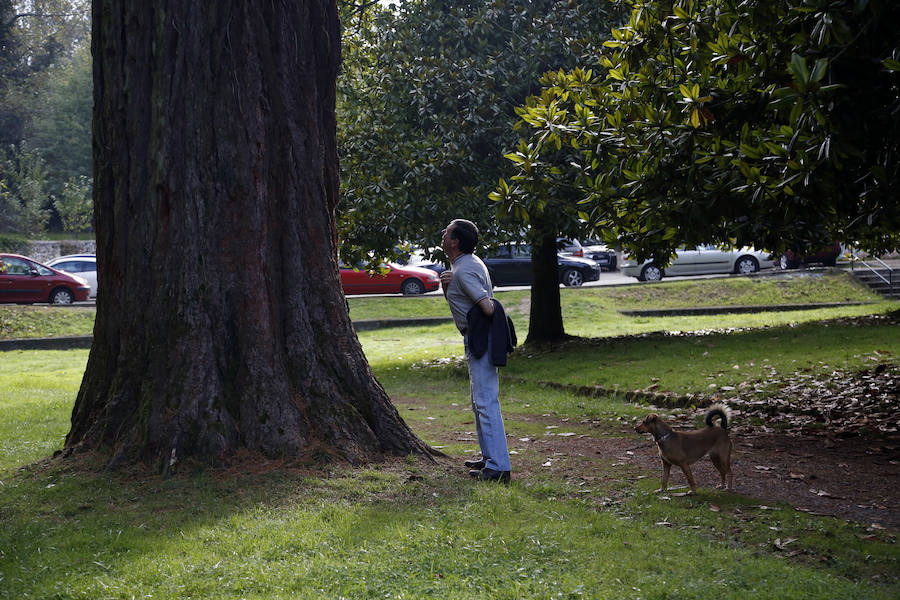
45	321
409	529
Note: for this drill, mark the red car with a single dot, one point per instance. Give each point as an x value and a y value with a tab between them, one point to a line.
394	280
24	280
827	256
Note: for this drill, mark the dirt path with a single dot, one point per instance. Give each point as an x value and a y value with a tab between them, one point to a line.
827	445
849	479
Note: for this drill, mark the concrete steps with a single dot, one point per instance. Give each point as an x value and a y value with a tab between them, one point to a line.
873	280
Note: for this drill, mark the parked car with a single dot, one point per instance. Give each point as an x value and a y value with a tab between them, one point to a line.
393	280
591	249
511	265
26	281
600	254
418	258
701	260
83	265
570	247
826	256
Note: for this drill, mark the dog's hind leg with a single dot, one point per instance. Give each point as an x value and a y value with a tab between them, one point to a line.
723	468
730	485
690	476
729	473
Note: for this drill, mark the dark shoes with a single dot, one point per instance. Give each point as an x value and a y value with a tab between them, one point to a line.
475	464
482	473
486	474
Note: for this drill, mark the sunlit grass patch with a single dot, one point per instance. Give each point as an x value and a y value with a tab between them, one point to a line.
794	287
587	320
700	363
37	391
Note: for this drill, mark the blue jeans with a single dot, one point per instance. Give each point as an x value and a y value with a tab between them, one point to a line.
485	390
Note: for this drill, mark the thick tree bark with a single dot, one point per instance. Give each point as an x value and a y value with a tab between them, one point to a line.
221	323
545	322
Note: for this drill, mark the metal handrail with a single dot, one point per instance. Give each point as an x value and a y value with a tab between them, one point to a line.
889	280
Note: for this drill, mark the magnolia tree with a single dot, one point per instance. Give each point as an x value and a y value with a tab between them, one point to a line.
732	121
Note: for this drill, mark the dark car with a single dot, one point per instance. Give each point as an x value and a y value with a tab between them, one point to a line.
600	254
589	248
24	280
826	256
511	265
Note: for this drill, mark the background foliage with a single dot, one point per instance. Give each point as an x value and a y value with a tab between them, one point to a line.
426	106
45	108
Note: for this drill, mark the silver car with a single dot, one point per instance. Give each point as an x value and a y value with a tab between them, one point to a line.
701	260
83	265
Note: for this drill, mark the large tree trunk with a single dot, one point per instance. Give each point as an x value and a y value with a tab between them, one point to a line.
545	322
221	323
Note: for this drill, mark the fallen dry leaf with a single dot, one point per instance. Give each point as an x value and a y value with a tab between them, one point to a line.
782	544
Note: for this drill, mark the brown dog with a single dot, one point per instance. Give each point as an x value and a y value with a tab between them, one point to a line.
685	448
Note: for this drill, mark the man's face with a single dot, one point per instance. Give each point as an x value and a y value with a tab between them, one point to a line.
448	242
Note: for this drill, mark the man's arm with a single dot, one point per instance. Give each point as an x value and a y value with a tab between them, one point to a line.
487	306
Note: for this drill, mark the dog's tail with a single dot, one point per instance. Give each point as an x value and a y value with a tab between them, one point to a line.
718	410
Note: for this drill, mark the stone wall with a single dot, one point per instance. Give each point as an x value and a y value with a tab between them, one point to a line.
42	251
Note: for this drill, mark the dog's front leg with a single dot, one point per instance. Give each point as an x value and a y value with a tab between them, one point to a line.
665	477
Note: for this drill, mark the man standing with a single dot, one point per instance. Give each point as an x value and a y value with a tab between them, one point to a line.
466	285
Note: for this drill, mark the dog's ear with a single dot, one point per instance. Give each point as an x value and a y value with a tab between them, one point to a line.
647	420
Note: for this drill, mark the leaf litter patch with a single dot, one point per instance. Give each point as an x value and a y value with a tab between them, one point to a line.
826	402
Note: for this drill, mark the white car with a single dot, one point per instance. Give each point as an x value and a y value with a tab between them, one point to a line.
701	260
420	258
83	265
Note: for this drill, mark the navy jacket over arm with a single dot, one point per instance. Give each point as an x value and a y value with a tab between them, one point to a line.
502	333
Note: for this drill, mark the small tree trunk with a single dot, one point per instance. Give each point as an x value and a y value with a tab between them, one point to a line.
545	322
221	323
